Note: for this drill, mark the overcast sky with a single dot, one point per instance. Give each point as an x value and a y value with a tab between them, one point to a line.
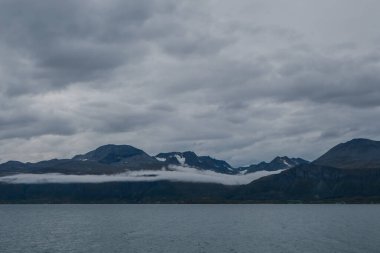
242	80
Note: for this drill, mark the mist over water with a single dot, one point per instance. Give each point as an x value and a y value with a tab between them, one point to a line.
179	174
190	228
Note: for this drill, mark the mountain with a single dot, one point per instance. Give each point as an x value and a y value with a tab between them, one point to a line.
278	163
120	155
107	159
190	159
349	171
354	154
313	183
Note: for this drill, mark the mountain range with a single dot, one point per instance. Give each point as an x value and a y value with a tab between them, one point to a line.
349	172
112	159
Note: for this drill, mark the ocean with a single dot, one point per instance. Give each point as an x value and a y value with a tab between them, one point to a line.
190	228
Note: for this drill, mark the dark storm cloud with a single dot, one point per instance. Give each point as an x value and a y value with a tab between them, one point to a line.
71	41
16	124
243	81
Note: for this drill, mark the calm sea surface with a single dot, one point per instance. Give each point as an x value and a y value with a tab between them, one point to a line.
189	228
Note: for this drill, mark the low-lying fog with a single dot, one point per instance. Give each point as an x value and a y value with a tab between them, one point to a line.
177	173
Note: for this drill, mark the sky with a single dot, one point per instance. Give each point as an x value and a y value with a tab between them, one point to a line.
242	80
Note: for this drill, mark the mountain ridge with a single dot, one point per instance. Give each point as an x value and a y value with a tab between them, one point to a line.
354	154
112	158
278	163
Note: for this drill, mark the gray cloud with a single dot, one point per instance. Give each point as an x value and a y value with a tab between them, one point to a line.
242	81
67	42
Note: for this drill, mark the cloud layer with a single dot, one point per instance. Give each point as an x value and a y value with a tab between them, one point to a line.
242	81
180	174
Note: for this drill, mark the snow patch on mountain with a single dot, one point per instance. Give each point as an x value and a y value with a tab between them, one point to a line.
180	159
286	163
161	159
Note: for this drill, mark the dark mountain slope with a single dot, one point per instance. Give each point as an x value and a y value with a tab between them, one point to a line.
312	183
355	154
126	192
